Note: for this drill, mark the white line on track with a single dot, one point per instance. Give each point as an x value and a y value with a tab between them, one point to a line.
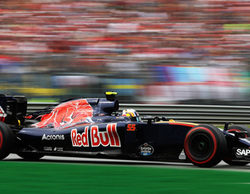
78	160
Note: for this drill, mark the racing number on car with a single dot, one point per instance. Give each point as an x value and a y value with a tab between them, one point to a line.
131	127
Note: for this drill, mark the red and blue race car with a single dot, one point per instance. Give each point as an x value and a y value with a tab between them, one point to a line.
93	127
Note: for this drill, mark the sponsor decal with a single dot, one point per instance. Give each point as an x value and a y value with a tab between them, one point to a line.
146	150
95	138
242	152
182	155
53	137
78	139
48	149
58	149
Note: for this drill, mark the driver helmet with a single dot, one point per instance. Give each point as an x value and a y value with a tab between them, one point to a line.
132	114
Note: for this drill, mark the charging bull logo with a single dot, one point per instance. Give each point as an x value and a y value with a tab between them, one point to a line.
105	138
67	114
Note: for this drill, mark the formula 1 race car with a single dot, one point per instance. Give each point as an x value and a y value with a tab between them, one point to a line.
94	127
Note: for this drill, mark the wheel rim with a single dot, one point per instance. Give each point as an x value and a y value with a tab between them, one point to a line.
201	146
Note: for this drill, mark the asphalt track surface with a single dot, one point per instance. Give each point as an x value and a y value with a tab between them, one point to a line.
58	159
88	175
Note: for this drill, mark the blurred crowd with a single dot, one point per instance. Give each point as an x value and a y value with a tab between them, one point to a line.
150	51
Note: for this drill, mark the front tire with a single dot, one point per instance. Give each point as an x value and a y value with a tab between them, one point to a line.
205	145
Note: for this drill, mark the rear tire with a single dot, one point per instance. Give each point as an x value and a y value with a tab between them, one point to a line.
6	140
205	145
228	158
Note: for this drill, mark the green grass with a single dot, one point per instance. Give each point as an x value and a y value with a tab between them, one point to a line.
25	177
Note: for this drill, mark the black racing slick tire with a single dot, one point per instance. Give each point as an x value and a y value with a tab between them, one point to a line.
205	145
6	140
228	157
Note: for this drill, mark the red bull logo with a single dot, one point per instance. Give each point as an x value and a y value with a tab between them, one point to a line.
95	138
